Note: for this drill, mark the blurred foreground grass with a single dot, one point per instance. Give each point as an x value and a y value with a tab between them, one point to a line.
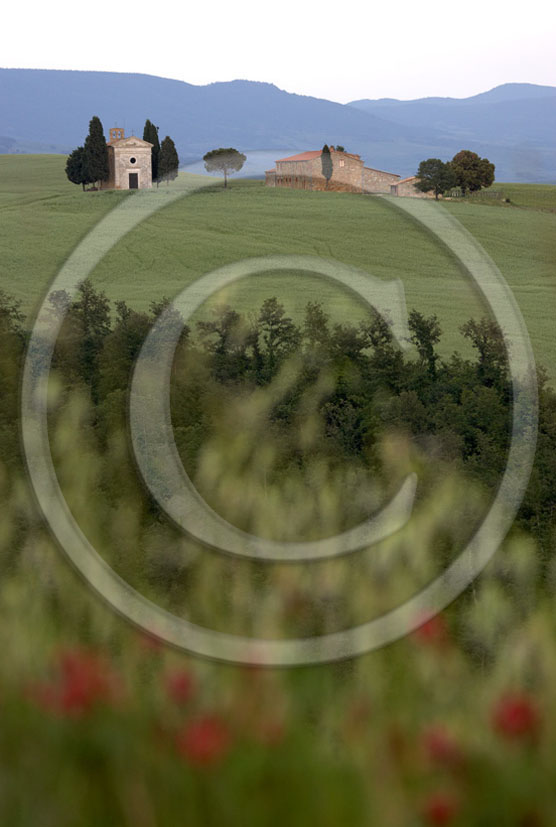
102	725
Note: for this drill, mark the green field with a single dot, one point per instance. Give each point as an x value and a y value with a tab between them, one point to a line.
103	723
526	196
43	217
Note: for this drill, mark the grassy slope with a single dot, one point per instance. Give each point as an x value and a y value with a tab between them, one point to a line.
522	242
533	196
42	222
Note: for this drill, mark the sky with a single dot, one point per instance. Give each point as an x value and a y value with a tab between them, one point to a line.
339	51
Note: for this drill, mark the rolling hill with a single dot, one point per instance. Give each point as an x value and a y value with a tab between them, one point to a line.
43	217
513	125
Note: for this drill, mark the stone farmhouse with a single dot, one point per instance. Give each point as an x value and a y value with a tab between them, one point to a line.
129	162
349	174
406	187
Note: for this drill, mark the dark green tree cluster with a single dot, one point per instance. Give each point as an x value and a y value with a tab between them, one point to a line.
150	134
435	176
12	342
168	161
88	164
466	170
165	160
471	172
75	168
458	410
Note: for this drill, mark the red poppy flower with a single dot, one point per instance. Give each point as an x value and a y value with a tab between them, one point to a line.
516	716
205	741
440	809
433	632
82	680
441	748
180	686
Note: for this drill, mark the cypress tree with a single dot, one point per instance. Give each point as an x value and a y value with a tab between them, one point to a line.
75	167
168	161
326	160
95	152
150	134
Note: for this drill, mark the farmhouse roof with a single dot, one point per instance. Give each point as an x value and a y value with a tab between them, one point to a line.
343	152
315	153
373	169
302	156
406	180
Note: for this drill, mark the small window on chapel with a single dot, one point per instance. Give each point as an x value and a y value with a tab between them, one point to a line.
132	160
342	163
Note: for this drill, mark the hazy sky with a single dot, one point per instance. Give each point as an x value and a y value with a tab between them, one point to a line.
340	51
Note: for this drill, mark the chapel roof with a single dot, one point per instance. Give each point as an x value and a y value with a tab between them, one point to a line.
129	141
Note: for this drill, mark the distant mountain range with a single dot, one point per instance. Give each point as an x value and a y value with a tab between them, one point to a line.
514	125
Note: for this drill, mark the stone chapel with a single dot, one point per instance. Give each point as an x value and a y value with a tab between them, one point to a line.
129	162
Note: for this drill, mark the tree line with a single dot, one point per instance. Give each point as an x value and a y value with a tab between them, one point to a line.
466	170
457	408
88	164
